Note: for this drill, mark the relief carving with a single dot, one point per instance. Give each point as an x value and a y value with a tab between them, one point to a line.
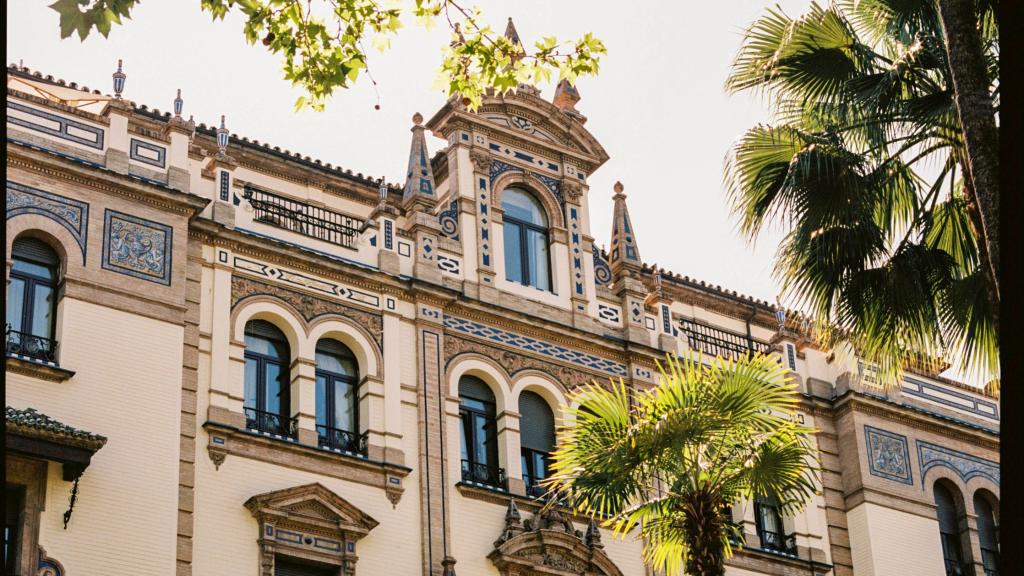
514	362
309	306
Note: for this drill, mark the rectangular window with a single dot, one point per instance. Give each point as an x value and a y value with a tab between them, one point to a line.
513	252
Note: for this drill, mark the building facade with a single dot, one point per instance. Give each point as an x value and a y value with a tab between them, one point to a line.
225	358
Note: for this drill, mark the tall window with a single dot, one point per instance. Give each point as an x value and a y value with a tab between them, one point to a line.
770	528
337	400
479	433
949	531
32	300
266	378
14	503
988	533
537	438
526	240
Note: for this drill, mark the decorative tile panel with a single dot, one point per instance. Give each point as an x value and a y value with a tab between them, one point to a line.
69	213
55	125
602	271
609	313
888	456
137	247
297	279
148	153
535	346
554	185
448	264
576	246
791	356
225	185
965	465
484	223
449	220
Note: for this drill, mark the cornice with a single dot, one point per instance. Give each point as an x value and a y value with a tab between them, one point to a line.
853	402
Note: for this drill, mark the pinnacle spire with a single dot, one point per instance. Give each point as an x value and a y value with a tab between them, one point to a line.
624	250
419	177
510	32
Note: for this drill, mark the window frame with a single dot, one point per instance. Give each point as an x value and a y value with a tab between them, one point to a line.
28	299
262	360
330	402
523	230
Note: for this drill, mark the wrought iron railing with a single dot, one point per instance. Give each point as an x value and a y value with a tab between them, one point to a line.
533	486
955	567
320	223
718	342
338	439
990	562
486	474
270	422
31	346
778	542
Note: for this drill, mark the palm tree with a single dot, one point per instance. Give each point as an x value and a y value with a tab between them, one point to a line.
865	167
667	462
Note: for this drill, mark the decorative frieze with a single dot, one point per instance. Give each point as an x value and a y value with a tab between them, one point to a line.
515	363
70	213
966	466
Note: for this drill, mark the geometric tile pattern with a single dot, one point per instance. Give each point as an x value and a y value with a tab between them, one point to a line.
69	213
137	247
147	153
888	455
535	346
55	125
966	466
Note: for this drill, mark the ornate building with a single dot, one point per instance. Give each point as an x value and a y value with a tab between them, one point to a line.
227	358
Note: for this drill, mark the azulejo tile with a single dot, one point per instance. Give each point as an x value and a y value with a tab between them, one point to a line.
137	247
888	456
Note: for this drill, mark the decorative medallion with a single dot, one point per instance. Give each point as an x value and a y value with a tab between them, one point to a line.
888	456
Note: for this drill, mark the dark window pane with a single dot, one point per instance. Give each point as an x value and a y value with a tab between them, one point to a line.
251	384
344	406
321	401
480	431
15	303
467	433
537	259
42	311
513	252
274	387
536	423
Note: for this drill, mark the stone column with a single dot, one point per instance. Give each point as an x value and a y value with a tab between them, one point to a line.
303	400
118	112
509	450
393	450
484	233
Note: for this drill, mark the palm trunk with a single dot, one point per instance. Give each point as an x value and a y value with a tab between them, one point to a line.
704	531
977	120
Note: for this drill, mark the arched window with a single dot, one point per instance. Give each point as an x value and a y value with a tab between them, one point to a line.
949	531
32	300
770	529
537	440
266	379
479	434
988	533
526	240
337	398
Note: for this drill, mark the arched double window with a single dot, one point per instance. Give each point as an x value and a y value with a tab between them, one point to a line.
988	532
949	530
479	434
770	529
537	440
525	226
337	398
267	357
32	300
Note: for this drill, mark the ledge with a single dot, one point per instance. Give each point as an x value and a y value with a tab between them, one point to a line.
523	502
37	368
225	440
772	562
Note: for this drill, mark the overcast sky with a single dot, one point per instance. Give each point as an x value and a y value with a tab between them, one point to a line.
657	106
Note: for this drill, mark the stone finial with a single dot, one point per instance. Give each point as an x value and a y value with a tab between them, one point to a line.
179	104
419	188
119	78
624	250
222	137
191	127
593	538
513	523
566	95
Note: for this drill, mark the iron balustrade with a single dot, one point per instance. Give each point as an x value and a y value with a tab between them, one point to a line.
533	486
990	562
956	568
719	342
486	474
778	542
320	223
338	439
31	346
270	422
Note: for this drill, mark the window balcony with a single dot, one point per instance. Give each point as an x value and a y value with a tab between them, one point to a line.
342	440
778	542
718	342
30	346
956	568
270	423
484	475
320	223
533	486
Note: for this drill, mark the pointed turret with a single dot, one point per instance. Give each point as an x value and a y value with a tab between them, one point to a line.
593	538
419	179
625	255
511	34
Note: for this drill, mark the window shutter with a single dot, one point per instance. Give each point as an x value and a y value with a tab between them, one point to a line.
536	423
34	250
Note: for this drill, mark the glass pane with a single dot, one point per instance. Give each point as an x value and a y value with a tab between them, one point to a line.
251	368
42	311
467	433
540	469
537	259
513	253
525	462
522	206
345	407
34	269
15	303
321	401
480	438
336	364
274	387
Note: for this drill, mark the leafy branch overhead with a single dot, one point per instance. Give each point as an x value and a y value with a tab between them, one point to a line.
323	42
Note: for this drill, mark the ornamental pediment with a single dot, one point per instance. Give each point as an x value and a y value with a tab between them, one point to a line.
312	505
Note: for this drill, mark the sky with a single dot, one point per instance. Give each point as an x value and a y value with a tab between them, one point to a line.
658	105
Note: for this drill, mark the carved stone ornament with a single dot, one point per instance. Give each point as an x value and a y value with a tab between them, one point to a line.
308	522
514	363
309	306
481	161
572	189
548	544
48	566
